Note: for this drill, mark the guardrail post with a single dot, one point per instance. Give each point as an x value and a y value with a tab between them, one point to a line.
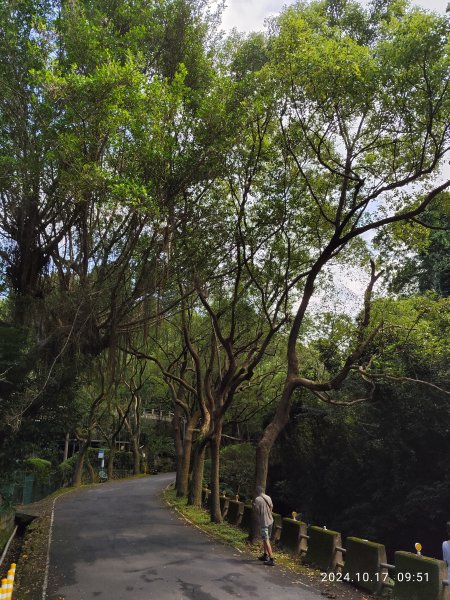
234	512
292	535
276	527
419	578
224	501
322	548
363	564
246	519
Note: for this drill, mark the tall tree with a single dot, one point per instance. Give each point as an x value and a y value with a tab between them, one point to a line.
363	116
108	118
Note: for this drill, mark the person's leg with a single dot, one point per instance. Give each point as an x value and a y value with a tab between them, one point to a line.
267	548
265	534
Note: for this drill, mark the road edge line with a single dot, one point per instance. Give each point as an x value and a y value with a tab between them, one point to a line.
47	562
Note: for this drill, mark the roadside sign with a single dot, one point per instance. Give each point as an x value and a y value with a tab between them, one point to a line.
101	454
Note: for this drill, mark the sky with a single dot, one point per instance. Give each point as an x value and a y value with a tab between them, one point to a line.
249	15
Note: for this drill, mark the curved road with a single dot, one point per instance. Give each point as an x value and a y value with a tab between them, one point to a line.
119	541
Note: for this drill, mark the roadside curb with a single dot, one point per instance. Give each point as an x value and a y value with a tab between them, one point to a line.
207	533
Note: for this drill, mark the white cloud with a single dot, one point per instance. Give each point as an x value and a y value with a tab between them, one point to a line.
249	15
344	291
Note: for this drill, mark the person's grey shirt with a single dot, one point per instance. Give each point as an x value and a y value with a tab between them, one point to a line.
446	556
263	506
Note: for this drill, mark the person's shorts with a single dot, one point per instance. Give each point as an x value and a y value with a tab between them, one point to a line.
266	532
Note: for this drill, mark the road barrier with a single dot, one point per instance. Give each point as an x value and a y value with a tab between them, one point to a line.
291	532
412	577
368	558
246	520
276	528
234	513
224	505
7	587
322	548
419	578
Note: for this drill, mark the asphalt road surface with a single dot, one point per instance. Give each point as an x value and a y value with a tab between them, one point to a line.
119	541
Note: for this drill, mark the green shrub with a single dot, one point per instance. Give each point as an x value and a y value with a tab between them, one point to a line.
40	468
67	468
39	464
123	460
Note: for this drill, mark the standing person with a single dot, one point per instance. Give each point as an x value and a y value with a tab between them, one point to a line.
263	507
446	550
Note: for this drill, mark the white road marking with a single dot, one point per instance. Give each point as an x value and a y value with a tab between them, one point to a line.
47	562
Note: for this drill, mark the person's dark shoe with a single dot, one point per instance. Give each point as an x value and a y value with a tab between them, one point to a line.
264	557
269	562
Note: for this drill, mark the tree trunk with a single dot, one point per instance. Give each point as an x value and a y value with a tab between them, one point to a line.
177	424
66	446
265	445
183	482
136	456
196	483
112	455
271	433
92	473
214	507
78	472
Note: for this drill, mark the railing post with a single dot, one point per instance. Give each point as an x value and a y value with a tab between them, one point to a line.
419	577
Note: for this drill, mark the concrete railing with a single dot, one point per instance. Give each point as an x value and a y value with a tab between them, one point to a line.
361	563
157	415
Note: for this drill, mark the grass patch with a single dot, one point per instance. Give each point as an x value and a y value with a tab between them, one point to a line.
222	531
232	535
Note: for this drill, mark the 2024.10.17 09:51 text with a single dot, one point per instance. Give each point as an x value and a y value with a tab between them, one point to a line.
374	577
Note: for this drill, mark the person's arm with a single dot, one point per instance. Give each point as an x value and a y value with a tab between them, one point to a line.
270	503
257	506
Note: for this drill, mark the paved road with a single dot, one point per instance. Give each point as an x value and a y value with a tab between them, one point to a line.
118	541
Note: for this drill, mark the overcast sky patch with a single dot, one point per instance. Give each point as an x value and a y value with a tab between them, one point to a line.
249	15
